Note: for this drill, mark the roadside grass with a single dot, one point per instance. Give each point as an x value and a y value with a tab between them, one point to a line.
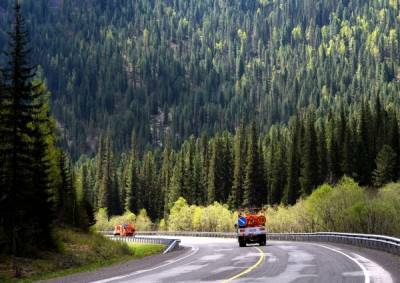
78	252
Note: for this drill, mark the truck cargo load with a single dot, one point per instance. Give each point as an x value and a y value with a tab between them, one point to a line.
251	227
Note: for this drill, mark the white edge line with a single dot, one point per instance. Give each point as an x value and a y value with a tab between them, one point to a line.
194	250
364	270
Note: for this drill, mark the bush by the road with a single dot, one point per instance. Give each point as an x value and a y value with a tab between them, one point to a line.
346	207
213	218
103	223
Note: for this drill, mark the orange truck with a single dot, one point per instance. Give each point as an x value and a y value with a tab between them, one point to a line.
251	228
124	230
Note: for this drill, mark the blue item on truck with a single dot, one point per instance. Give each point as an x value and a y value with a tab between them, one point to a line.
242	222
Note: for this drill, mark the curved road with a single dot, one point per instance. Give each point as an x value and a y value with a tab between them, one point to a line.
221	260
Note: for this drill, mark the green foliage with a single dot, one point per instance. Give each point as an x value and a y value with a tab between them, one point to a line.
169	70
143	222
385	171
250	168
79	252
26	150
344	208
180	218
212	218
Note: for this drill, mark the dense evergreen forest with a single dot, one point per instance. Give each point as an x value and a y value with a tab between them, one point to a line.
248	168
168	69
245	103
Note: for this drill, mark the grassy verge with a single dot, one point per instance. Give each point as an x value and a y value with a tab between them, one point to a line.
79	252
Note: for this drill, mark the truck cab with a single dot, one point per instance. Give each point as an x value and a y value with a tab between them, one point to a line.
251	229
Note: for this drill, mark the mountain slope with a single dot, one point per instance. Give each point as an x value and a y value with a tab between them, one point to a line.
182	67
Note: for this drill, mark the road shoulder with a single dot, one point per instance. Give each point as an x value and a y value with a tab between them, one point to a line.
120	269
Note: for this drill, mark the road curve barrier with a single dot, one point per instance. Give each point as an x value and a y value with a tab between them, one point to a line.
171	244
377	242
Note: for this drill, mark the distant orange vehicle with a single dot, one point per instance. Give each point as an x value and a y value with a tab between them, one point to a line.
125	230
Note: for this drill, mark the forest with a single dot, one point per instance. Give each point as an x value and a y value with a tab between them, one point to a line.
247	168
167	70
142	108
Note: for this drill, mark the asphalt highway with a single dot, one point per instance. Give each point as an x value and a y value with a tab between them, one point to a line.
222	260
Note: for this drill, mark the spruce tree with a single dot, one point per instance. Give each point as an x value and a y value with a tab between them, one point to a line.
385	166
333	152
165	177
322	154
213	172
84	200
132	195
309	161
292	191
254	184
43	151
365	147
236	195
176	184
394	142
66	196
188	190
25	210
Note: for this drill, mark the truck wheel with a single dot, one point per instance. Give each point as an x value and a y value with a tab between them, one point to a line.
262	243
242	244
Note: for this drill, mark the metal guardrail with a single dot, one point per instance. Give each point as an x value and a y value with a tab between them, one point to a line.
377	242
171	244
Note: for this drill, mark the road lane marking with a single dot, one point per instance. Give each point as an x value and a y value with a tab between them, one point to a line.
194	250
364	270
251	268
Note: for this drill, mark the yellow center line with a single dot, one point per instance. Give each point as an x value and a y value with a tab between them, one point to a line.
251	268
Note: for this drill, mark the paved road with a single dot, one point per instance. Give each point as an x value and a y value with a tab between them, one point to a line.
221	260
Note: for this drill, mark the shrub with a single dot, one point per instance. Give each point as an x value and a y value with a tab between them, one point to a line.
143	222
344	208
213	218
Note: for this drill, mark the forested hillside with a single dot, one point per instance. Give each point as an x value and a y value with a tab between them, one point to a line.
248	168
168	69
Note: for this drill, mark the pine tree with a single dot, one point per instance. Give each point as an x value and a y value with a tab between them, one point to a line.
385	166
176	184
254	185
66	196
322	154
227	168
108	193
188	190
165	177
293	188
150	191
103	174
236	196
365	147
132	194
213	172
333	152
85	198
394	142
199	173
275	173
22	150
309	162
43	150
